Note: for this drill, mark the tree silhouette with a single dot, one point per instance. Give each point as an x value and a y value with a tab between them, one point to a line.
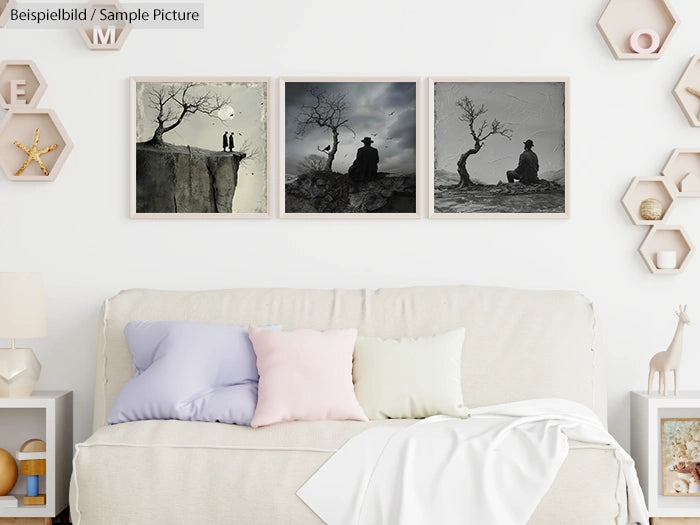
325	111
479	133
176	102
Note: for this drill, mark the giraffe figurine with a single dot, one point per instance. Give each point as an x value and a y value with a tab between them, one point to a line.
664	362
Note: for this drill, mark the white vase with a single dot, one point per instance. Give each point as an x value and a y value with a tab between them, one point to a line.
19	372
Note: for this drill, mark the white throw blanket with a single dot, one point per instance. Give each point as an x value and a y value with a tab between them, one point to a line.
490	469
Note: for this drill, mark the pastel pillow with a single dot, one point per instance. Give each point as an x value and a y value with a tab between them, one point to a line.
304	375
188	371
410	378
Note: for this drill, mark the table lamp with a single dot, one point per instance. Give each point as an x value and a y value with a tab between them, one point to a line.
22	316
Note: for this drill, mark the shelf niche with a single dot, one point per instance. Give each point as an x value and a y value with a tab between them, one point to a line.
667	238
34	86
683	170
643	188
122	29
621	18
20	126
690	103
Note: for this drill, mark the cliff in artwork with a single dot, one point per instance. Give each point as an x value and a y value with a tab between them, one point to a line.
185	179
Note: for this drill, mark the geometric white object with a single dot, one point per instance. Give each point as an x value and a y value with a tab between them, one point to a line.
690	184
622	18
8	502
636	41
28	456
665	260
19	372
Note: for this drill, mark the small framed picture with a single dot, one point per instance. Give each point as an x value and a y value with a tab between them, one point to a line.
680	456
199	148
349	148
499	148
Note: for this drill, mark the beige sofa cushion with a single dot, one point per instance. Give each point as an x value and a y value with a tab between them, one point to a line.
183	473
519	344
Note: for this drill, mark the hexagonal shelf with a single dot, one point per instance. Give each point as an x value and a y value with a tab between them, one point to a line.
683	170
621	18
666	238
3	5
643	188
87	30
21	126
687	91
33	84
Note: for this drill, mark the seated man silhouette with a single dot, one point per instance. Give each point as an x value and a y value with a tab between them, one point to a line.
528	166
365	166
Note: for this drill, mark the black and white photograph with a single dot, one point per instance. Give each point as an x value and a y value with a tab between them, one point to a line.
499	148
349	148
199	148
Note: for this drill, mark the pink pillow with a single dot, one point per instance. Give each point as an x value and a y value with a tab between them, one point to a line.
304	375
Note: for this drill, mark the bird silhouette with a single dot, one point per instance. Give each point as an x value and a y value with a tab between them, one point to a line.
390	114
327	148
374	134
240	134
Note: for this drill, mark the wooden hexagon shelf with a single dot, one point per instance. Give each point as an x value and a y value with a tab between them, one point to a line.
621	18
672	238
21	126
95	40
643	188
3	6
33	86
687	92
683	170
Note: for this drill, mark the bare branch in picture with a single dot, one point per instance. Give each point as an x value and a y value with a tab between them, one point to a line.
176	102
479	131
251	152
325	111
312	164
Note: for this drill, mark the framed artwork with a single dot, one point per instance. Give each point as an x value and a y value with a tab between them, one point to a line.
499	148
349	148
680	456
199	148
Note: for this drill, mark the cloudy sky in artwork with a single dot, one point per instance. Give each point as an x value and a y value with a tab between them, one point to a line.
384	111
533	110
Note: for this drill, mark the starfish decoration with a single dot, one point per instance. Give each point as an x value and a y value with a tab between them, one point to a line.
34	154
695	92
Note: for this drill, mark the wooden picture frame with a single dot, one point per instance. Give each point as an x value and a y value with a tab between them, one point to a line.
388	116
680	456
510	109
211	177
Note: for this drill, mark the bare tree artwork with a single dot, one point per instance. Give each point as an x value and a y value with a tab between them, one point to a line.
312	163
479	132
176	102
325	111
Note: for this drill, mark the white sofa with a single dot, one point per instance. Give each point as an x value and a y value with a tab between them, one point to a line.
519	345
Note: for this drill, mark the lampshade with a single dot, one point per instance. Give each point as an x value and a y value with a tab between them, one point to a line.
22	307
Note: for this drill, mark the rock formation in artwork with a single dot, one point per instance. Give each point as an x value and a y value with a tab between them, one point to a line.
183	179
332	192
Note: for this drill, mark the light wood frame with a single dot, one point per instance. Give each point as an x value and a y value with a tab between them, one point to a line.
567	153
282	156
132	150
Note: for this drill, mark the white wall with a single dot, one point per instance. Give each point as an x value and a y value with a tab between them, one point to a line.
625	122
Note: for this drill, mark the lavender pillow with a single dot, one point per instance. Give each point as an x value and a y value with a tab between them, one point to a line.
188	371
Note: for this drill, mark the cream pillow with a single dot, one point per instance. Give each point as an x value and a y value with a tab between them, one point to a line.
410	378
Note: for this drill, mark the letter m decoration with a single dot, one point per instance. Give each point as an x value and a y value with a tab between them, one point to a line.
100	37
100	33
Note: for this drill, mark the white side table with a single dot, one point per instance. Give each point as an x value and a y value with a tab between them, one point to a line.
47	416
646	412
